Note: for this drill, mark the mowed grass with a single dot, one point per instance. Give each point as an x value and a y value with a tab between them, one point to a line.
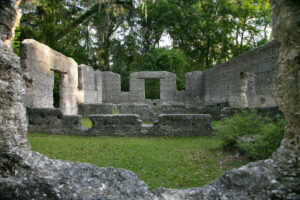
177	162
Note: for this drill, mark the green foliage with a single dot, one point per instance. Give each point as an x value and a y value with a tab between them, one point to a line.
172	60
56	95
86	122
265	143
158	161
255	136
152	89
162	59
116	112
16	42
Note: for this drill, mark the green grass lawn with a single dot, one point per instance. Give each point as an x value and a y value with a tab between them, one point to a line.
177	162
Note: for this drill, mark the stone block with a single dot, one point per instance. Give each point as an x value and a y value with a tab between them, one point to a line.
143	110
46	117
116	125
183	125
71	121
111	87
92	109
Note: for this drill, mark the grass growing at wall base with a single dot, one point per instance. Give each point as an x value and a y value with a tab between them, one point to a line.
86	122
177	162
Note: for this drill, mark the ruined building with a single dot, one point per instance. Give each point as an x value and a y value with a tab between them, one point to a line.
244	81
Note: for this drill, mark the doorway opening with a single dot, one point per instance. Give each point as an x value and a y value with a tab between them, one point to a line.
56	89
152	88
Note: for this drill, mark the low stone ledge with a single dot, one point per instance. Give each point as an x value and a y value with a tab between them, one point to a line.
214	110
271	112
44	116
52	121
116	125
183	125
94	109
145	111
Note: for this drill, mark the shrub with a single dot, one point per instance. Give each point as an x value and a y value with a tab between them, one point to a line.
253	135
265	143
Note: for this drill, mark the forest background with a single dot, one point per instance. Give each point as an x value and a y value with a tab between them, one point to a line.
125	36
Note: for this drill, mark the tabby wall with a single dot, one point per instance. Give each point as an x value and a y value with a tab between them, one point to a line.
40	62
244	81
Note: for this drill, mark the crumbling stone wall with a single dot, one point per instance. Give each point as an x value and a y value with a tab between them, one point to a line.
194	88
168	89
52	121
40	62
87	92
13	124
244	81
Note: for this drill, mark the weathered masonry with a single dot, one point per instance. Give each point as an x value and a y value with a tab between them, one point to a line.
52	121
41	62
244	81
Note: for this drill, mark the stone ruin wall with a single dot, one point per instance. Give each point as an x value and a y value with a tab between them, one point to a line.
111	90
82	85
52	121
40	63
244	81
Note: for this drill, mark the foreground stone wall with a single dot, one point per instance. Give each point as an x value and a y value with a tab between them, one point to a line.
9	20
40	62
244	81
13	124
